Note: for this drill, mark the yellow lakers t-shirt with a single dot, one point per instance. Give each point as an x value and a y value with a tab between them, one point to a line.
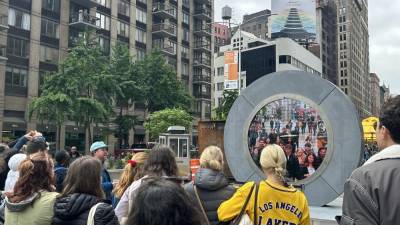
276	205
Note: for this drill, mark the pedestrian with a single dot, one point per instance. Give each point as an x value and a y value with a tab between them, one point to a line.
82	194
8	152
99	151
210	187
161	163
371	193
32	200
310	164
74	154
61	168
271	197
163	202
292	164
13	174
133	171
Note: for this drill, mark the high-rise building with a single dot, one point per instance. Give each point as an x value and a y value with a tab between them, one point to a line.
327	36
41	31
375	94
353	53
257	23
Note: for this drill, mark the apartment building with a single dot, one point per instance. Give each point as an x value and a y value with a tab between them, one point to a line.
36	35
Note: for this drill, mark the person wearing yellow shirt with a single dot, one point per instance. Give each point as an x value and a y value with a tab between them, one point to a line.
277	202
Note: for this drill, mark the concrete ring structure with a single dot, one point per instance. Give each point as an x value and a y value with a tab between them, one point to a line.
337	111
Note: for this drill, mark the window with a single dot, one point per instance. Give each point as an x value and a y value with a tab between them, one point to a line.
17	47
50	28
16	77
220	86
103	21
185	34
51	5
140	53
220	71
283	59
123	7
185	52
141	15
141	35
142	1
186	18
19	19
186	3
185	68
105	3
48	54
104	43
123	29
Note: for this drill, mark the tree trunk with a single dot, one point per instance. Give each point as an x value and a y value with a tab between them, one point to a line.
58	137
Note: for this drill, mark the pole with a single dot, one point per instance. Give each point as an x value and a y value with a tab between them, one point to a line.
240	58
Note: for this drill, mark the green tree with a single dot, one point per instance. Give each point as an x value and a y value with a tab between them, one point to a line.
51	108
127	90
159	121
161	88
83	83
228	98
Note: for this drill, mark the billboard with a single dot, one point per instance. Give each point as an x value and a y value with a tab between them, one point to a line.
231	70
295	19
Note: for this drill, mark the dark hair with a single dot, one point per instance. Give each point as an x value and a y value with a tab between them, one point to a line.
35	174
307	145
161	162
390	117
61	156
314	163
162	202
272	138
84	177
37	144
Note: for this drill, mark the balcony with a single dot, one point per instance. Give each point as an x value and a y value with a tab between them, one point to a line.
162	11
3	55
86	3
202	14
202	30
202	62
166	49
3	22
201	79
164	30
202	95
82	21
203	46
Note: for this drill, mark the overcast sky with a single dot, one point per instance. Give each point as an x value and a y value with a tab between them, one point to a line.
384	30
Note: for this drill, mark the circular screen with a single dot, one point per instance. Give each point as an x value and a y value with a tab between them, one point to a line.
295	126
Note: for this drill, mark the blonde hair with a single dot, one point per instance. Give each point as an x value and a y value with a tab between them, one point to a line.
273	158
212	158
131	173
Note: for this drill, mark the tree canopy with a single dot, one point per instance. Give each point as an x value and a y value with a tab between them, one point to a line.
159	121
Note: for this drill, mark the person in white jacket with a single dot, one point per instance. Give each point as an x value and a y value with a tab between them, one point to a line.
13	174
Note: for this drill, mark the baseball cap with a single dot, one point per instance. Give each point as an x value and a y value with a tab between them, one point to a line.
97	145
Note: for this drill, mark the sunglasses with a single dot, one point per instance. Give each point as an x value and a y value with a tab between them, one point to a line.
39	139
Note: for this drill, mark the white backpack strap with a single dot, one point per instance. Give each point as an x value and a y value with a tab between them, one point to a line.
90	220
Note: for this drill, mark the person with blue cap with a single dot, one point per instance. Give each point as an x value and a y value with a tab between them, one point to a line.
99	150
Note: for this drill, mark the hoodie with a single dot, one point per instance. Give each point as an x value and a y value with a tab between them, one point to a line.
13	174
35	210
213	188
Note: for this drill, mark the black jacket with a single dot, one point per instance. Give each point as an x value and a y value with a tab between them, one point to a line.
213	189
74	210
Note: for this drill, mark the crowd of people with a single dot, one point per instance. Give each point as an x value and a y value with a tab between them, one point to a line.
303	137
72	189
40	190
